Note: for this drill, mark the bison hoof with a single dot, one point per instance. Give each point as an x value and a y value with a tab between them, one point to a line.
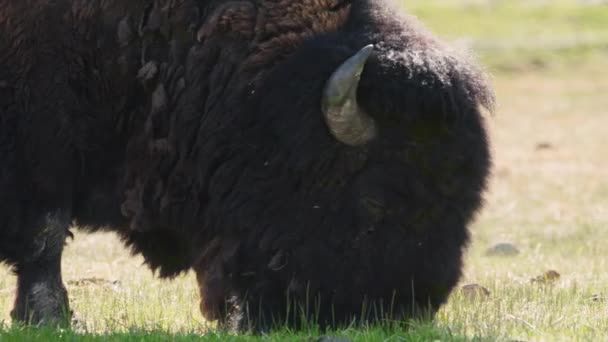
43	305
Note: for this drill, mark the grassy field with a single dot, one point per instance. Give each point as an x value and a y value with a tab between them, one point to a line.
548	197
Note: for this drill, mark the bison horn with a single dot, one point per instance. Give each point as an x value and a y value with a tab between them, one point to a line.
346	120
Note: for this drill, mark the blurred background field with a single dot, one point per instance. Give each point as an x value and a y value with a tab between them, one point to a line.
520	35
547	202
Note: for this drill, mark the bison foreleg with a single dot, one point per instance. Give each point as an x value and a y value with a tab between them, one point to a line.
41	296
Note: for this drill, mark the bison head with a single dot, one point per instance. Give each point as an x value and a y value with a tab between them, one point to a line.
342	164
357	170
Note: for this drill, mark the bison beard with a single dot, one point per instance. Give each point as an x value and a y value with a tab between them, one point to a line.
316	156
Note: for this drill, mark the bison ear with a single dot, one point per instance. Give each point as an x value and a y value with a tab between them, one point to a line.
346	121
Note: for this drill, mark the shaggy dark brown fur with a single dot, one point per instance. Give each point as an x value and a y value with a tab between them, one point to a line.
193	129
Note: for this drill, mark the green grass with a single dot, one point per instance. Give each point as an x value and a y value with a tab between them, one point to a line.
548	196
512	20
519	35
413	333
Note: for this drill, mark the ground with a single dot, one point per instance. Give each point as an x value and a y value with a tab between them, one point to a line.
548	198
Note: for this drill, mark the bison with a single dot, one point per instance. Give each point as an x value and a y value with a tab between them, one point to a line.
322	154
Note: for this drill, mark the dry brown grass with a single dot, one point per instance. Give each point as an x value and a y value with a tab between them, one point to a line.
549	196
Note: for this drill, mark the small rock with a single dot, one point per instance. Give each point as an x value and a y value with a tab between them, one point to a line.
475	291
502	249
598	298
544	146
548	277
